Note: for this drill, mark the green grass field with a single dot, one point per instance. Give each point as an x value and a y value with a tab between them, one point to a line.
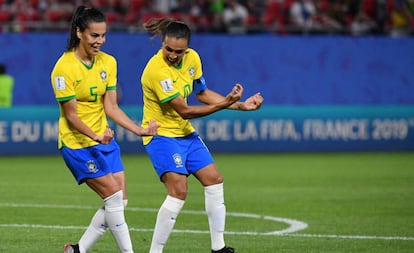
350	202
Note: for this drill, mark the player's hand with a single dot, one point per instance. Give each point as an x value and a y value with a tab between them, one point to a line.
152	129
108	136
252	103
235	94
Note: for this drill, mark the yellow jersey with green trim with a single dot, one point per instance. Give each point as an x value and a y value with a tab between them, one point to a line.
162	83
72	79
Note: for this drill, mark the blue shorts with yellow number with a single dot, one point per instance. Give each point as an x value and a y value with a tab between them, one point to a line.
93	162
183	155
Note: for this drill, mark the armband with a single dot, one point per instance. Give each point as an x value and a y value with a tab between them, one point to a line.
199	85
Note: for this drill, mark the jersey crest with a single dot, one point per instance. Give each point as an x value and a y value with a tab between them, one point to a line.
103	74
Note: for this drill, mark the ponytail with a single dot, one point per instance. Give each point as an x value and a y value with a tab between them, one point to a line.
168	27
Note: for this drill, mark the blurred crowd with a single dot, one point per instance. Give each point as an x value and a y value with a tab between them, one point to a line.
353	17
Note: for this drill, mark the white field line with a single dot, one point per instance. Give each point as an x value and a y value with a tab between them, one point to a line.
294	225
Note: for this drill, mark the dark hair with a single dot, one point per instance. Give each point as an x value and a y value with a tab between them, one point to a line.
168	27
81	19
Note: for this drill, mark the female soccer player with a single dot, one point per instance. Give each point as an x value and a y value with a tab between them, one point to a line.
177	151
84	83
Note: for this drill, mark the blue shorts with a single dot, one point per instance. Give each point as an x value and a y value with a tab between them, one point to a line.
182	155
93	162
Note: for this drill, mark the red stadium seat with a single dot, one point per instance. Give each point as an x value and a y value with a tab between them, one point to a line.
5	16
131	17
369	7
54	16
34	3
136	5
112	17
147	16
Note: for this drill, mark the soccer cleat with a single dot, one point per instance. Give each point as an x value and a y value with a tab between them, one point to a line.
71	248
224	250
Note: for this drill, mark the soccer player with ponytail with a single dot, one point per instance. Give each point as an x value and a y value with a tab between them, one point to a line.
177	151
84	83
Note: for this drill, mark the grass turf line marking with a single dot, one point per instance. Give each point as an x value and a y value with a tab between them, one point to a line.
366	237
363	237
294	225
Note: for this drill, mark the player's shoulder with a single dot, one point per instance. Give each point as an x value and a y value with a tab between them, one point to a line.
65	60
105	57
192	56
192	52
157	61
66	57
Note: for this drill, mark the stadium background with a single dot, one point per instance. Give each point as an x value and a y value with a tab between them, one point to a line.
324	91
321	93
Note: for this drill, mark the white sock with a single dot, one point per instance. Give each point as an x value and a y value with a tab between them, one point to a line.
216	213
115	219
164	225
96	229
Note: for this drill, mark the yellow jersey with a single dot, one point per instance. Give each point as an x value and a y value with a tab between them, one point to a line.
162	83
71	79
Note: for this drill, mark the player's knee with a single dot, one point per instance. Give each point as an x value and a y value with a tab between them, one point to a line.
219	179
178	192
